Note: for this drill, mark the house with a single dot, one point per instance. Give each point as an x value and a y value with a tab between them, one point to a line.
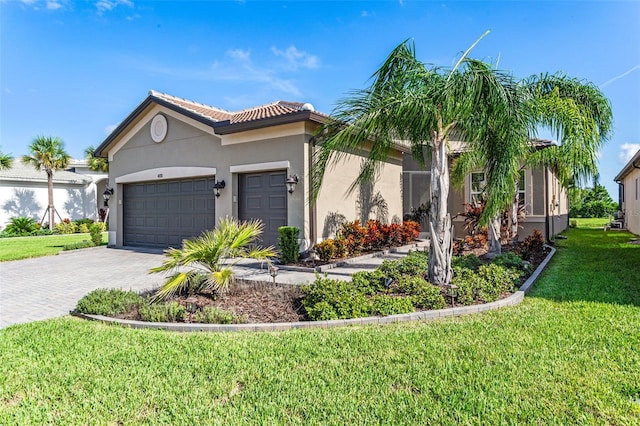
177	166
546	201
77	192
628	181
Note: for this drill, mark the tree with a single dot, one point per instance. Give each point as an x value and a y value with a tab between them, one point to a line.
48	154
592	202
423	107
96	164
5	161
580	116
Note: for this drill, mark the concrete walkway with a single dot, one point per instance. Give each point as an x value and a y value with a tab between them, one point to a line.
50	287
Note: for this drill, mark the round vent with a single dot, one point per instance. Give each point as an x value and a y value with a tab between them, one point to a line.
308	107
158	128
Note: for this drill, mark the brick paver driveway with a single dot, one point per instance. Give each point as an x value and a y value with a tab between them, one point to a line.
49	287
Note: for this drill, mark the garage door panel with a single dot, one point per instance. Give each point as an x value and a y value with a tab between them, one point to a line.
263	196
163	214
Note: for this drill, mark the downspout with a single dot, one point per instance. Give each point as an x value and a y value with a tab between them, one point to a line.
312	206
546	202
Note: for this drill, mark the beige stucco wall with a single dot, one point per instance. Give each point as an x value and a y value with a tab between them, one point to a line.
631	204
333	198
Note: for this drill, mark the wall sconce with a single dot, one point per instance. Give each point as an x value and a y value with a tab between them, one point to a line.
106	195
218	186
292	181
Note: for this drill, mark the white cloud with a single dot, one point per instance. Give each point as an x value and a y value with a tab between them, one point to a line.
109	129
618	77
297	58
239	55
53	5
627	151
108	5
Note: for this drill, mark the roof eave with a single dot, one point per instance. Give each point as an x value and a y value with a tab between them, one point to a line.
226	128
628	167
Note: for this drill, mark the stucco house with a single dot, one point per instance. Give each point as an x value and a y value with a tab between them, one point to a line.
629	193
177	166
546	201
77	192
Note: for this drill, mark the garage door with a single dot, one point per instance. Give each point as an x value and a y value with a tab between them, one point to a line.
264	196
162	214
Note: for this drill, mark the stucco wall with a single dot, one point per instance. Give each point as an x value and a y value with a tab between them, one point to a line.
631	205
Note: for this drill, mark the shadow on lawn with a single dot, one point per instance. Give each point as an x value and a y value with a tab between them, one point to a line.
593	266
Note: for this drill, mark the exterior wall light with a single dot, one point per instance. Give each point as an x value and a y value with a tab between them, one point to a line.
218	186
106	195
292	181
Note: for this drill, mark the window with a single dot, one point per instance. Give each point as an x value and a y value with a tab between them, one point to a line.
478	183
521	189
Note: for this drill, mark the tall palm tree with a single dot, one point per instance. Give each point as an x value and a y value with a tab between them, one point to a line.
580	116
5	161
96	164
47	153
423	107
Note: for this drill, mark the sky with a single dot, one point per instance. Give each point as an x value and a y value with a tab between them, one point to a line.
75	69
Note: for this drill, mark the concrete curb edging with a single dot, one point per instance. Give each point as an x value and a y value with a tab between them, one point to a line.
515	299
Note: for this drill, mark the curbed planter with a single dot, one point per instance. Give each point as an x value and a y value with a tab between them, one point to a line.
515	299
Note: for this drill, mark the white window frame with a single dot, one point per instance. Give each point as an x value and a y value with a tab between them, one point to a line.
476	192
522	189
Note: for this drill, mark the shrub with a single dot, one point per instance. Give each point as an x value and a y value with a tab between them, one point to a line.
415	263
468	283
214	315
21	226
469	261
389	268
423	294
96	233
392	234
325	250
86	221
374	238
66	227
327	299
509	260
163	312
355	234
499	279
531	245
573	223
389	305
288	244
342	247
368	282
79	245
109	302
83	228
410	231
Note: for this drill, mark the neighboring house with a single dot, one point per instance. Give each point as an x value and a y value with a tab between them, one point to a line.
629	193
77	192
546	201
168	153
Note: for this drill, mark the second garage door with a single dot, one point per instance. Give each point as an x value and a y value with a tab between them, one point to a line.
264	196
162	214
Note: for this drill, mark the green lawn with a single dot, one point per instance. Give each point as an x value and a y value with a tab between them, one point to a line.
597	222
25	247
567	355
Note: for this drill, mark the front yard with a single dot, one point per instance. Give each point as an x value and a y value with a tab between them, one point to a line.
567	355
17	248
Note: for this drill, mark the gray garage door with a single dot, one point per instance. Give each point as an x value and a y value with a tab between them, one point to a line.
162	214
264	196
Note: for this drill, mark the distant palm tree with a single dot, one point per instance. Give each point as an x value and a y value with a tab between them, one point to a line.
48	154
96	164
5	161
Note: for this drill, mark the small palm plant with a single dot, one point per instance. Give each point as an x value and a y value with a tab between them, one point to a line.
207	261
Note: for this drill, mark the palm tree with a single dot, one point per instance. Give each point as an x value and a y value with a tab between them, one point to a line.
206	262
96	164
580	116
5	161
48	154
423	107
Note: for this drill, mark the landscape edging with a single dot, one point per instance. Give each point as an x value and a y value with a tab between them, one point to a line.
515	299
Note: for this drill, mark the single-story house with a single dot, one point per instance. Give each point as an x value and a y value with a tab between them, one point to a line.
546	201
177	166
77	192
629	193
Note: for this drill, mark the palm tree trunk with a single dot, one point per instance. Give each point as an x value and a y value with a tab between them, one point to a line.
441	244
52	209
493	230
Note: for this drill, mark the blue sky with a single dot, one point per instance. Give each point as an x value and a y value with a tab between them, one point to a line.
75	69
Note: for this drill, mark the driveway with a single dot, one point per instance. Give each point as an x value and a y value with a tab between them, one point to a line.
49	287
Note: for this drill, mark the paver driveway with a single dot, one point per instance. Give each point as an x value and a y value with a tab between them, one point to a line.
48	287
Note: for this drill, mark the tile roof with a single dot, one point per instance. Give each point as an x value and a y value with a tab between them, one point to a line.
22	172
275	109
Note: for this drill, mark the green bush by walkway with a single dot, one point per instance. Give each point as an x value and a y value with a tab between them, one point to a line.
567	355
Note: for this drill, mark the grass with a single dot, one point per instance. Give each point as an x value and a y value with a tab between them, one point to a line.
567	355
25	247
597	222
